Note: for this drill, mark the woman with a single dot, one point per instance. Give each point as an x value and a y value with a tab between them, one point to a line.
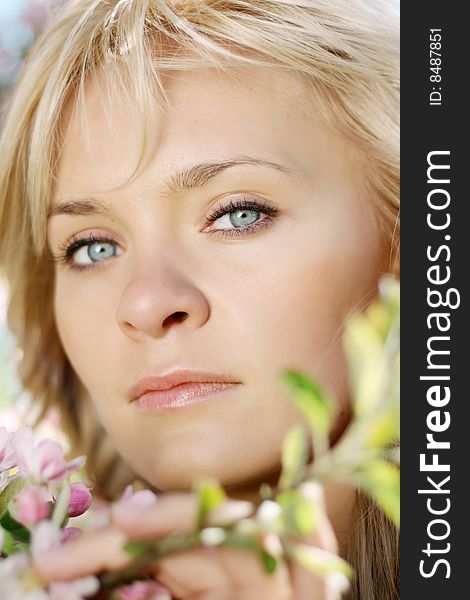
195	195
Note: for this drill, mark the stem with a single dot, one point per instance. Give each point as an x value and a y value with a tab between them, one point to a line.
174	543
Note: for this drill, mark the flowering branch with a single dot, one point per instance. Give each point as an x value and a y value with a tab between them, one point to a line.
38	497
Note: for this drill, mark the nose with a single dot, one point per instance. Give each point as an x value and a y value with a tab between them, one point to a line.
155	301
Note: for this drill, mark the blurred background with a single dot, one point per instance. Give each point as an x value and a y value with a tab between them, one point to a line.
20	23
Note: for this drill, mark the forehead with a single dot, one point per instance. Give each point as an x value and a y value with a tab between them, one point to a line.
210	114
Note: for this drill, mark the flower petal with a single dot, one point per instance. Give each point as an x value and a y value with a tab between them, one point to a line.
46	536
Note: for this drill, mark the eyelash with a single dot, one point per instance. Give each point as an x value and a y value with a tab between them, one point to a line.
243	204
68	249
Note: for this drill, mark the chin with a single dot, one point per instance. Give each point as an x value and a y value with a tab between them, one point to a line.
181	476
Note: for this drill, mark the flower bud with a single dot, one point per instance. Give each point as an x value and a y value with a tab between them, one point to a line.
80	499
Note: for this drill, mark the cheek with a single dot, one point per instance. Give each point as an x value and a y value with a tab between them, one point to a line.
82	329
293	315
299	306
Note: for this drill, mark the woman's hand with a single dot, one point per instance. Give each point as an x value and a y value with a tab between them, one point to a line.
202	573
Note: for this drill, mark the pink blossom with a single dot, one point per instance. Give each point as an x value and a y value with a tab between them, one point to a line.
17	579
144	590
7	454
32	505
80	499
46	536
74	590
44	461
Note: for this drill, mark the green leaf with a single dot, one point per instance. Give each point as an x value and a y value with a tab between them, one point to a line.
318	561
21	547
17	530
364	348
379	319
382	481
10	492
9	523
299	514
313	402
384	429
294	457
15	539
210	496
372	345
244	542
22	534
268	560
8	544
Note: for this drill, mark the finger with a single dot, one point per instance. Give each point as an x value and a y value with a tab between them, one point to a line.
250	579
88	554
200	570
259	591
306	584
217	572
175	512
190	572
171	513
213	595
243	567
205	569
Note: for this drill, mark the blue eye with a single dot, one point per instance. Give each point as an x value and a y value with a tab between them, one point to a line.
96	252
84	253
89	250
241	218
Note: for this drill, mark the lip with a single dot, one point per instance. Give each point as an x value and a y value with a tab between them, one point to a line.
178	389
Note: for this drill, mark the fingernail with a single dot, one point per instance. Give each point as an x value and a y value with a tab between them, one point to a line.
142	500
230	512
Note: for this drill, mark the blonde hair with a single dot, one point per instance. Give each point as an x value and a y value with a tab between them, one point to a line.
346	52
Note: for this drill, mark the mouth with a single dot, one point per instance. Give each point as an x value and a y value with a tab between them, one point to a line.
178	390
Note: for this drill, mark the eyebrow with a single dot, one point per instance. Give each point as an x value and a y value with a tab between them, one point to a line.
190	178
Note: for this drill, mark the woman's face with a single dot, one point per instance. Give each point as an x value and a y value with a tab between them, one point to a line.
244	293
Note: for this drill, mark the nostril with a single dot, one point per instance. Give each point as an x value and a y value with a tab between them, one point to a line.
178	316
